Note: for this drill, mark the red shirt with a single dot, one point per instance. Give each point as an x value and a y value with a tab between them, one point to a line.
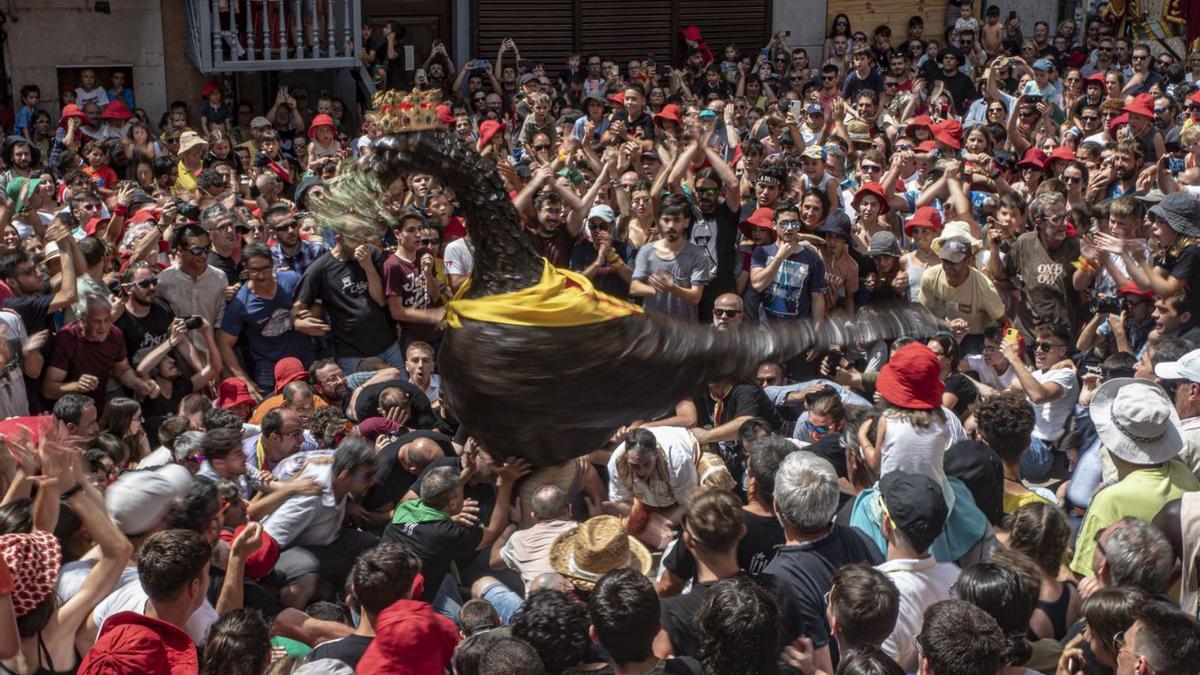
78	357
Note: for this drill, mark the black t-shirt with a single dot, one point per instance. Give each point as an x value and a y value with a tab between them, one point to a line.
807	569
367	403
156	410
755	550
962	89
640	129
229	266
348	650
358	326
34	311
392	482
1186	268
484	493
145	332
964	389
436	544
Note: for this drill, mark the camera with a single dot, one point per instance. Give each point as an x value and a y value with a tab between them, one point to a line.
193	322
1108	304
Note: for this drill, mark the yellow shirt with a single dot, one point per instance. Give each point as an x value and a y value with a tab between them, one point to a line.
1014	502
185	180
976	300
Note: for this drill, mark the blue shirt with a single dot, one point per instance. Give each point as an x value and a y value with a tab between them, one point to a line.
24	120
790	295
267	324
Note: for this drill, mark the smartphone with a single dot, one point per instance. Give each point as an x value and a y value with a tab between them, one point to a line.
193	322
1175	165
420	74
796	108
1012	336
764	54
284	89
1033	98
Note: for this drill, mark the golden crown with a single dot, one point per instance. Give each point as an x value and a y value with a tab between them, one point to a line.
401	111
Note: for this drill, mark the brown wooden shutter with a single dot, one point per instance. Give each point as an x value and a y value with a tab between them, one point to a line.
625	30
542	30
746	24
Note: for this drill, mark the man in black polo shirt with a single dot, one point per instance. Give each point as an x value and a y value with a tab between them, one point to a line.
806	498
959	84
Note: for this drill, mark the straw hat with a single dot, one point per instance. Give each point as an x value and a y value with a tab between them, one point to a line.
596	547
189	140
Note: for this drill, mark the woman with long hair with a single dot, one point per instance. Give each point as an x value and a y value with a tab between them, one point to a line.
123	418
840	26
1041	531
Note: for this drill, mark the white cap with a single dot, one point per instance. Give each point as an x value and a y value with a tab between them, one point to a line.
1186	368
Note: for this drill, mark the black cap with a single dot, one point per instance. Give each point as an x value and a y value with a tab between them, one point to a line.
837	223
916	506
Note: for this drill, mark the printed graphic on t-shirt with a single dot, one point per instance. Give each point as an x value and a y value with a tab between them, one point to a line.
788	288
279	323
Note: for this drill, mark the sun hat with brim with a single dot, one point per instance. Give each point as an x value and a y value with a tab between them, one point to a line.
859	132
763	218
233	392
189	140
260	122
130	642
669	113
319	121
912	378
1136	421
288	370
71	110
1151	196
918	121
33	560
926	217
946	138
957	229
1096	77
19	190
954	250
1033	157
598	546
876	190
1181	211
116	110
884	243
1142	104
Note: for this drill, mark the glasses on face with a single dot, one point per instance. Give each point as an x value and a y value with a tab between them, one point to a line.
726	313
1072	179
194	458
810	428
1045	346
872	168
1140	57
829	78
286	225
1090	118
199	250
707	191
145	284
789	225
541	148
1104	49
258	270
430	242
889	85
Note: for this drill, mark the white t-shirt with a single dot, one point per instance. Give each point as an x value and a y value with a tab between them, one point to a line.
679	446
1050	419
13	399
460	259
131	598
921	583
987	374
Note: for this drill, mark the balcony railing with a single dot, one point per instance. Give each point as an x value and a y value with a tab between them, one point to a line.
252	35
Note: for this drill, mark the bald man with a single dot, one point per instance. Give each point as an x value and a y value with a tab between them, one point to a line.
401	460
727	311
528	551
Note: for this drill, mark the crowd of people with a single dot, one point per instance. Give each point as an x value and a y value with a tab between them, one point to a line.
226	448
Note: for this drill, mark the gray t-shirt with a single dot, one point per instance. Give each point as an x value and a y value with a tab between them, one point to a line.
690	268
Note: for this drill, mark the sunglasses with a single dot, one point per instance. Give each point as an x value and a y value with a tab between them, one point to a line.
286	225
145	284
1090	118
199	250
829	77
810	427
707	191
723	313
541	148
789	225
1045	346
430	242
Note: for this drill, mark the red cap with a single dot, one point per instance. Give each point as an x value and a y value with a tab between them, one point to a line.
409	632
71	110
691	33
260	562
488	129
321	120
763	217
210	87
1142	104
1096	77
912	378
1035	157
669	112
1063	152
617	98
872	189
288	370
232	393
132	643
926	146
444	114
1117	122
927	217
1132	289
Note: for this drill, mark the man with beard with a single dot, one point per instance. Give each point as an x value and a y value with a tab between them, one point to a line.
1040	263
20	156
1051	389
552	238
328	380
789	274
1118	174
715	230
1142	76
670	274
290	252
33	296
225	256
1166	119
145	320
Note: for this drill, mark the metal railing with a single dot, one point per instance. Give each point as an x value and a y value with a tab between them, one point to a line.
252	35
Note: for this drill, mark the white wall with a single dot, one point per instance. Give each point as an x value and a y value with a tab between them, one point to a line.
806	20
49	33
